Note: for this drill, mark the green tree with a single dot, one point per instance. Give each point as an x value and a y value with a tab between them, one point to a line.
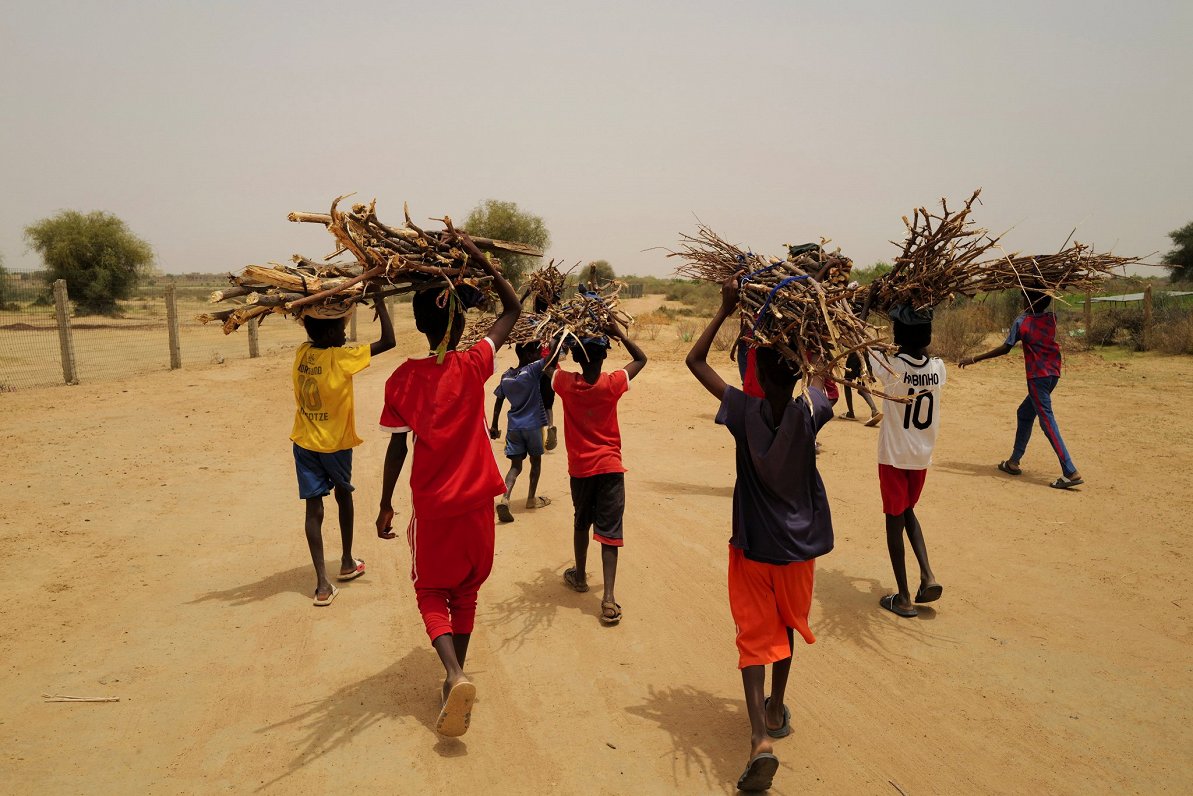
493	218
865	276
1180	259
96	253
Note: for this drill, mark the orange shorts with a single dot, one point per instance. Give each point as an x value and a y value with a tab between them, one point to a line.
765	600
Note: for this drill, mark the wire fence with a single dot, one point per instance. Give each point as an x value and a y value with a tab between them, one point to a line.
38	348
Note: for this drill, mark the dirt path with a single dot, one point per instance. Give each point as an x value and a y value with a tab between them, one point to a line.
153	540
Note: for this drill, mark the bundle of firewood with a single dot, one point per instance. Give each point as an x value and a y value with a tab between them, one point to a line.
547	283
385	261
785	305
588	314
946	255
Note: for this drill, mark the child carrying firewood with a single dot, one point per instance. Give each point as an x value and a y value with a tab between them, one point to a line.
454	477
1036	329
905	444
324	433
593	441
781	524
525	423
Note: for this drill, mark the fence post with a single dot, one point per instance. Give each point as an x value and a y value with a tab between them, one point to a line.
1147	317
254	341
65	341
352	324
172	325
1089	315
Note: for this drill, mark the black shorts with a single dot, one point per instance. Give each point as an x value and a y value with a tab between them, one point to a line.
547	391
600	503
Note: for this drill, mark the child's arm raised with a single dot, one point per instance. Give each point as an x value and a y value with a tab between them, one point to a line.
511	308
697	360
387	340
395	457
638	362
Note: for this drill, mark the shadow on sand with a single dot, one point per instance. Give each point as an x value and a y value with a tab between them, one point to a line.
533	610
850	613
299	579
709	734
404	690
680	488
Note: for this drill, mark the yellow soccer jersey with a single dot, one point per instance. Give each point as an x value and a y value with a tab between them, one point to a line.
325	420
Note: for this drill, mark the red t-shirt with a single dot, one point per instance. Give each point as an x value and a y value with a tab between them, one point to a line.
590	428
453	470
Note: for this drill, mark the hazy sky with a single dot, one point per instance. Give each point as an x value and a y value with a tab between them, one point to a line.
202	124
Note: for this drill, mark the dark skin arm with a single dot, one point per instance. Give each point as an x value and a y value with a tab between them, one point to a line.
697	359
494	430
511	308
395	458
638	362
991	354
386	341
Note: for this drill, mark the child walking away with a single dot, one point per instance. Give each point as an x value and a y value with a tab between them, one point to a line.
1036	329
593	441
324	433
853	372
524	425
905	444
453	478
781	524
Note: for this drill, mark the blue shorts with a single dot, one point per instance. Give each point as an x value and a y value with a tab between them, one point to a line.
521	441
318	472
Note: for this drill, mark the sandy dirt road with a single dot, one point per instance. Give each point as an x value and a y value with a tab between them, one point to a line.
153	543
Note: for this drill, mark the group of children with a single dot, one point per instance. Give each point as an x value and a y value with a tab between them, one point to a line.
781	520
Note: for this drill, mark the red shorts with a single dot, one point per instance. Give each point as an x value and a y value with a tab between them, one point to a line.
765	600
450	557
900	488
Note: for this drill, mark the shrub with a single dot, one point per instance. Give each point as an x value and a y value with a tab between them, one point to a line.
686	331
960	328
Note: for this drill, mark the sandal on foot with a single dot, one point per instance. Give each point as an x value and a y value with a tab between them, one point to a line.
1009	468
759	773
1067	483
610	612
322	601
503	512
355	573
888	602
572	579
538	502
929	593
874	420
784	730
456	714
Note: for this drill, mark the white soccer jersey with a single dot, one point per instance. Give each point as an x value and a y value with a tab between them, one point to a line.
908	431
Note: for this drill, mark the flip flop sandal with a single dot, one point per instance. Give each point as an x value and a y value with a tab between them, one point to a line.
503	512
456	715
1066	483
874	420
538	503
783	731
572	579
759	773
322	601
610	612
354	574
1009	468
928	594
888	602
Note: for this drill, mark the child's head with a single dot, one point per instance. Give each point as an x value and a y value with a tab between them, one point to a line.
777	375
1036	300
325	332
528	353
434	309
912	336
590	353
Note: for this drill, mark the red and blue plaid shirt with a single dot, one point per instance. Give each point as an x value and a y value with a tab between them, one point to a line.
1041	353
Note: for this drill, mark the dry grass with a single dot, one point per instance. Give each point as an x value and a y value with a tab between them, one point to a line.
960	329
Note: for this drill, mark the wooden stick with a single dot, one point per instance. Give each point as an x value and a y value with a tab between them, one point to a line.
57	698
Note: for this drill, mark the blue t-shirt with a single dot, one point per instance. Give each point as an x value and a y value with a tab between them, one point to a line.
520	386
780	509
